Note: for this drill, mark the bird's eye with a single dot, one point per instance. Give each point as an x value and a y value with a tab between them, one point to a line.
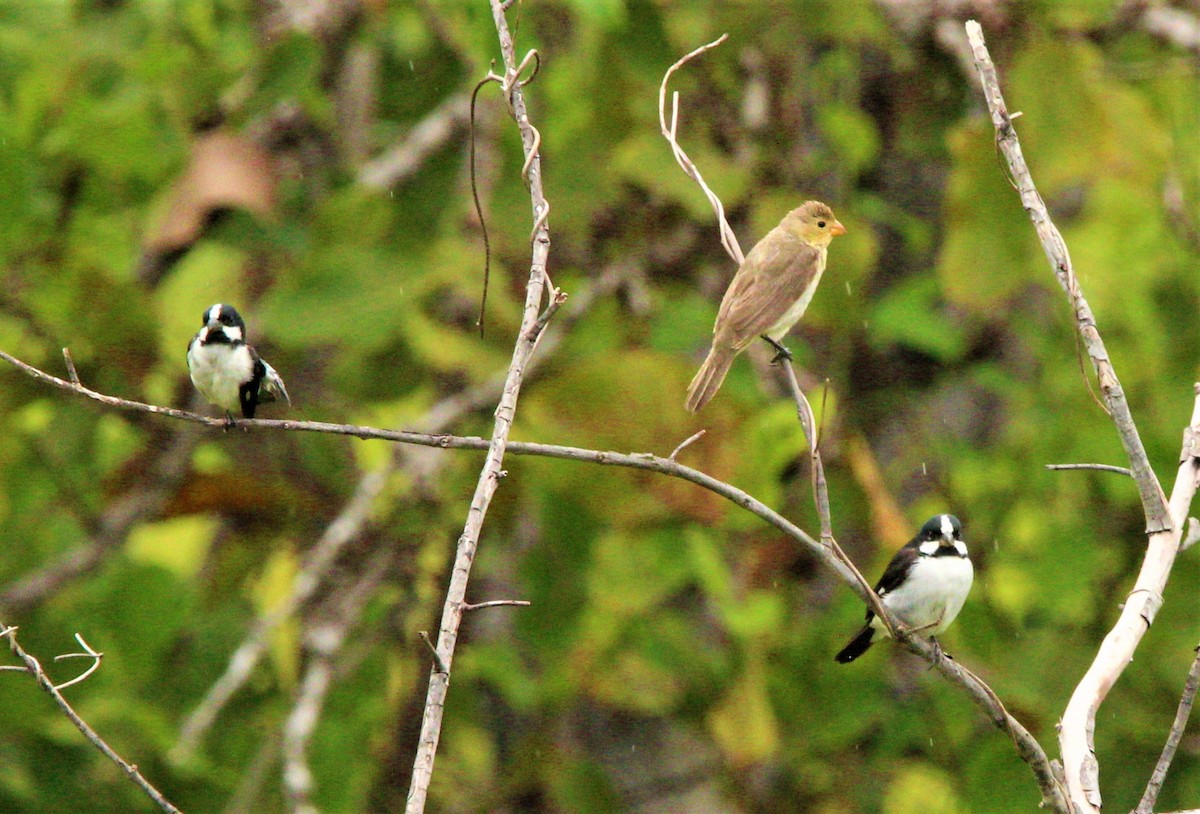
820	224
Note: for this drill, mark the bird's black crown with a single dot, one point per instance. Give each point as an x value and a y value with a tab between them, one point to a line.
225	314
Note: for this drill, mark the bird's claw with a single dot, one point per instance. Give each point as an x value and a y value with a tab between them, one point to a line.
781	353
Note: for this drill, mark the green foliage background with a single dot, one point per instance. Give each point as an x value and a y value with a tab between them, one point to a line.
677	655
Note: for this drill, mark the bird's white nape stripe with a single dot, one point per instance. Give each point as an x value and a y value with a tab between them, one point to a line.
214	313
947	527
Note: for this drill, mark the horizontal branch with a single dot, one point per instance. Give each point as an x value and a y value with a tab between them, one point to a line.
1027	746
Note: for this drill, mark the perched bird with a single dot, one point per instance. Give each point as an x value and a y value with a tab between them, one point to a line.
924	585
227	371
769	293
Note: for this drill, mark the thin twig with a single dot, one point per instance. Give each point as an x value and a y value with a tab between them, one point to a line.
1176	734
88	653
1120	470
1163	519
821	499
439	666
670	133
685	443
497	603
71	371
131	771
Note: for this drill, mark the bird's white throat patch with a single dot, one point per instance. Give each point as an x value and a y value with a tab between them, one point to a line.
930	547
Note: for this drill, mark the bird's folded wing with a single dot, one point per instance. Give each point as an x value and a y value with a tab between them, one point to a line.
272	387
775	278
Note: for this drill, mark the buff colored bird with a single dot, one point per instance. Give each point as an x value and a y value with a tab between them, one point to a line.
769	293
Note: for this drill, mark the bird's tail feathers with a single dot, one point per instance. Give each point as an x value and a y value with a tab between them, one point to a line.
708	379
857	646
272	387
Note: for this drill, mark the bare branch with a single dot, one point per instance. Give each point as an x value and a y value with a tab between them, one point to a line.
1120	470
489	476
1163	520
439	666
1154	502
1168	753
35	669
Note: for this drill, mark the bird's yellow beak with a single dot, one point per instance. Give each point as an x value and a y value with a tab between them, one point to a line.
837	228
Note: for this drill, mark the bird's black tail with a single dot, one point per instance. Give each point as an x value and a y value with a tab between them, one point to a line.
858	645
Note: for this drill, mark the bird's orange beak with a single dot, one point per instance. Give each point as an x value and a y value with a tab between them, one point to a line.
837	228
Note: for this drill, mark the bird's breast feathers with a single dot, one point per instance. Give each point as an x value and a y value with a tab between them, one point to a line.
796	310
932	593
218	370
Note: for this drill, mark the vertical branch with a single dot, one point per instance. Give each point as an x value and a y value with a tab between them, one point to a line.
492	471
1154	502
1163	520
1168	753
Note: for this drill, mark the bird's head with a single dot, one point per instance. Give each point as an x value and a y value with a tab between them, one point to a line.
814	223
222	324
940	531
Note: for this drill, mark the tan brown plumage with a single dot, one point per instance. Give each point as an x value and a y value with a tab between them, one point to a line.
769	293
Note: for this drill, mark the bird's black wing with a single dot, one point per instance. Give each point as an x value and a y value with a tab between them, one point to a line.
248	393
896	571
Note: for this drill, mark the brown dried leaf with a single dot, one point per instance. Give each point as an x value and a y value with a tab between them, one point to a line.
227	171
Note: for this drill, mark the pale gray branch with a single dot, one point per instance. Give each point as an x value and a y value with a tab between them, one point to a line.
1176	734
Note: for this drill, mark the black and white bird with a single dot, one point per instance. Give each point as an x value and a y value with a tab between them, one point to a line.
227	371
925	585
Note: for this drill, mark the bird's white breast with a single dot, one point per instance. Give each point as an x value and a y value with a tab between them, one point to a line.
218	370
932	594
792	315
